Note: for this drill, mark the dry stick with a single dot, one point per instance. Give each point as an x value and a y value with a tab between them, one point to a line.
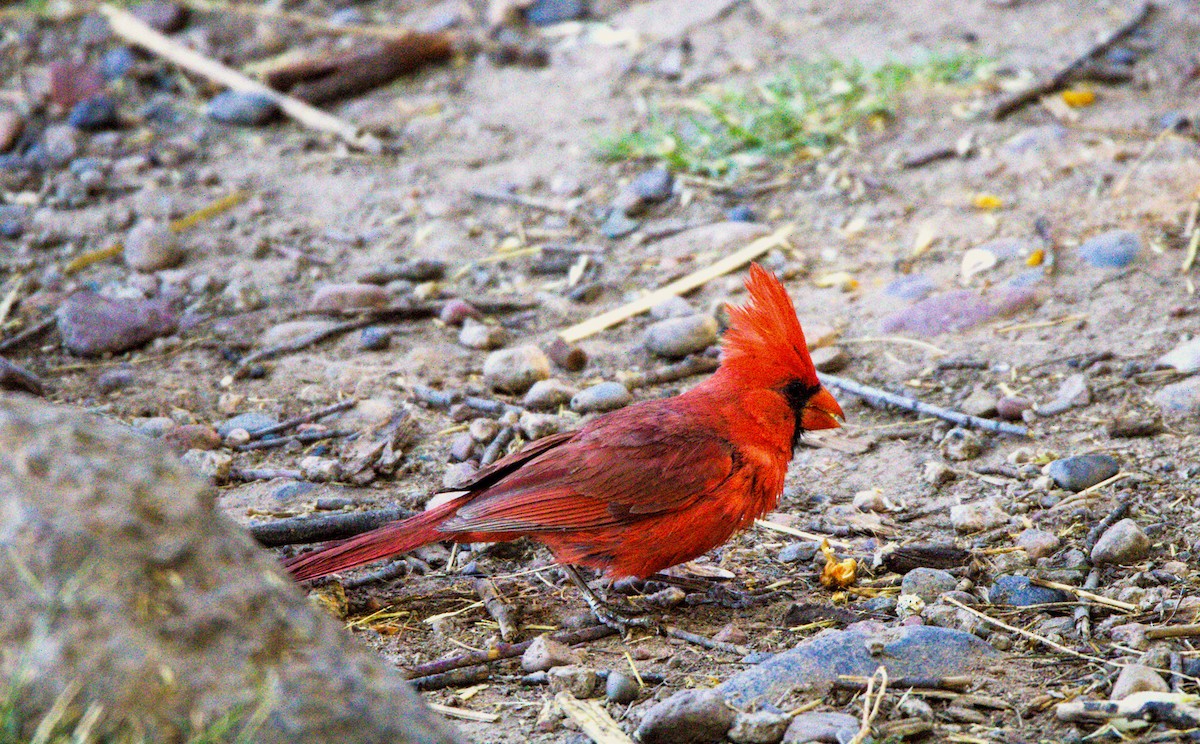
497	446
708	643
592	718
1064	75
1075	498
392	570
1117	514
693	365
297	344
306	418
301	530
256	474
507	651
877	396
1176	665
501	611
134	31
693	280
1086	594
452	678
1031	635
871	709
31	332
320	25
304	437
953	683
1173	631
505	197
1083	613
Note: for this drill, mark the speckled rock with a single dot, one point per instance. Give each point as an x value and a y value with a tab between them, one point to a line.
1038	543
958	310
821	727
476	335
1180	400
605	396
678	337
515	370
758	727
152	246
251	422
90	499
333	298
548	395
928	583
545	653
620	688
1122	544
1082	471
91	325
687	717
977	516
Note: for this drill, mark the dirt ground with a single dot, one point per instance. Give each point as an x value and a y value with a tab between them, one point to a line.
318	213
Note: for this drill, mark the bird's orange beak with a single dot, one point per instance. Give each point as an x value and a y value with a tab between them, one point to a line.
821	412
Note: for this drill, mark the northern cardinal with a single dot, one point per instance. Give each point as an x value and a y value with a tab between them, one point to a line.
648	486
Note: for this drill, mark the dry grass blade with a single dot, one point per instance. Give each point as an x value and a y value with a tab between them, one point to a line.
464	713
1085	594
814	537
593	719
871	706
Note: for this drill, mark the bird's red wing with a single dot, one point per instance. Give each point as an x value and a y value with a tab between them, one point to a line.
591	482
489	475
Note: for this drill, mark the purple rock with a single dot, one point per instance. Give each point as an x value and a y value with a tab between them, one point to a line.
955	311
91	325
912	287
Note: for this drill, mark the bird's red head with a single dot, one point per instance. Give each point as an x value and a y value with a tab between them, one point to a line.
764	346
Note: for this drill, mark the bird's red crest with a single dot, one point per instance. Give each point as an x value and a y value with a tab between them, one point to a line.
764	340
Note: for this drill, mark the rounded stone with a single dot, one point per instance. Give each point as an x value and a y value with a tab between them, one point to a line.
374	338
1082	471
152	246
928	583
1114	249
678	337
621	688
348	297
548	395
515	370
606	396
1122	544
242	108
1019	591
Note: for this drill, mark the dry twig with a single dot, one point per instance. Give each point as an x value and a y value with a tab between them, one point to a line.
301	530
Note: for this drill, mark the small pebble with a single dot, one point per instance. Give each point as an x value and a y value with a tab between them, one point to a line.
741	213
1010	408
374	338
798	552
116	62
621	688
821	727
1115	249
91	325
1018	591
548	395
535	426
115	379
320	469
215	466
913	287
1038	543
550	12
94	114
980	403
337	298
977	516
961	444
649	187
1122	544
483	430
759	727
959	310
545	653
1072	393
12	124
515	370
580	682
672	307
937	473
915	707
476	335
462	447
678	337
242	108
152	246
237	437
928	583
605	396
618	225
1082	471
1137	678
455	312
193	437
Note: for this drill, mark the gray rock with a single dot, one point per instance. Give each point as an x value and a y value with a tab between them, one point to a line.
678	337
798	552
978	516
580	682
621	688
91	325
1072	393
374	338
95	513
959	310
605	396
833	728
1122	544
687	717
546	653
759	727
548	395
961	444
515	370
242	108
915	650
1018	591
672	307
928	583
534	426
251	422
1184	358
152	246
1137	678
1115	249
649	187
1082	471
1180	400
1038	543
114	379
1012	408
618	225
831	359
979	403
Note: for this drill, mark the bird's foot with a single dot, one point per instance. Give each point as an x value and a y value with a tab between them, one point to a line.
620	620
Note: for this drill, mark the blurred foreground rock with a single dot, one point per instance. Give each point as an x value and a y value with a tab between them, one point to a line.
125	588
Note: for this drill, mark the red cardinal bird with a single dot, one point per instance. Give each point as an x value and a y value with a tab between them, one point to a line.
648	486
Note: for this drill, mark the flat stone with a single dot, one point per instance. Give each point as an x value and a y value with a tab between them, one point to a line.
977	516
1183	358
1038	543
1137	678
580	682
1082	471
251	422
928	583
758	727
1180	400
1122	544
1115	249
112	380
282	333
816	662
515	370
545	653
605	396
831	728
548	395
1019	591
959	310
336	298
242	108
91	325
678	337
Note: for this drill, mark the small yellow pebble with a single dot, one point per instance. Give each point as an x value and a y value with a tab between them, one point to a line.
1078	98
987	201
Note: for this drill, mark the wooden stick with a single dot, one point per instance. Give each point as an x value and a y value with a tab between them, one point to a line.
500	610
1099	599
31	332
306	418
1060	79
1031	635
507	651
1173	631
697	364
878	396
320	25
592	718
131	29
708	643
300	530
695	279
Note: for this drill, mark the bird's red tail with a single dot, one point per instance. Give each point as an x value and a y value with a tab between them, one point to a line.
383	542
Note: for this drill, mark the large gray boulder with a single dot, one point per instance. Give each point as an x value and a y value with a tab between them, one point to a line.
124	592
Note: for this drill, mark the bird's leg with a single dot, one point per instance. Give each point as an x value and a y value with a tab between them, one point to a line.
601	609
